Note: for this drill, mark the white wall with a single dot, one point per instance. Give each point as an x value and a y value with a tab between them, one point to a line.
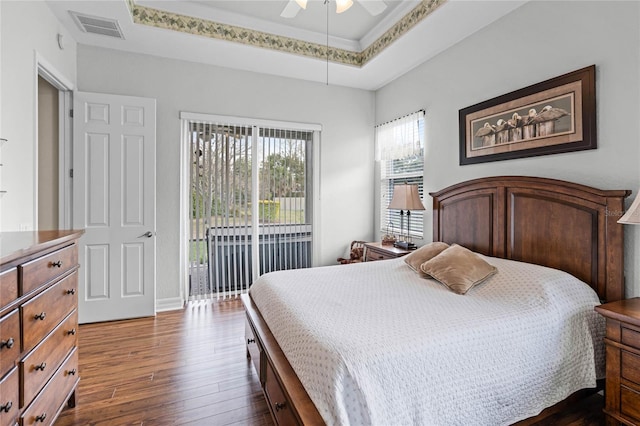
1	134
346	116
28	29
539	41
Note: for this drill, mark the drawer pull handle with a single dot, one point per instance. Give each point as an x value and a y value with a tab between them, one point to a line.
280	406
6	407
249	341
71	291
41	316
41	417
41	367
72	372
8	343
56	264
71	332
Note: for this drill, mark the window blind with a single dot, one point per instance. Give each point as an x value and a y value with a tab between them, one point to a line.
400	157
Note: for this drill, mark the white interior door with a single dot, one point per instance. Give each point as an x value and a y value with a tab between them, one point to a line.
114	200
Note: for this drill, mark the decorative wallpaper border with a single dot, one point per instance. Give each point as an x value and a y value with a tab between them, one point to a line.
190	25
410	20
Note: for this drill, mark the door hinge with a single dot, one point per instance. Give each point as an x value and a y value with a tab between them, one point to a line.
71	173
71	113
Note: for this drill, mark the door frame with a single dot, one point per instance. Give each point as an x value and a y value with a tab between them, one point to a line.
185	168
65	88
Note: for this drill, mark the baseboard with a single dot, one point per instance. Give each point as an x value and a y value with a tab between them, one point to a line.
169	304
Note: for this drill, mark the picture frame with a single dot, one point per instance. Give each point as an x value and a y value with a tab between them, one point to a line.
555	116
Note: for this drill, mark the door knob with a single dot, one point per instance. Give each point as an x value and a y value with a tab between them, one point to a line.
147	234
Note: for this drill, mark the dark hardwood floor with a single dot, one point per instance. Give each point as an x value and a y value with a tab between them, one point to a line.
179	368
189	367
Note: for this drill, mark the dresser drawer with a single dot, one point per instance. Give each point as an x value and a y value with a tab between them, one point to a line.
630	366
47	268
8	286
50	402
9	407
630	403
9	341
42	313
255	350
37	367
280	407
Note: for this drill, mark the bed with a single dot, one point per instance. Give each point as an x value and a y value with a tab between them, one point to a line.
386	371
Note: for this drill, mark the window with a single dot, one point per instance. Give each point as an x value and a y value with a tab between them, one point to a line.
400	156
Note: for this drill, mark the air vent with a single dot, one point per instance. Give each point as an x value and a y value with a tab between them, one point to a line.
97	25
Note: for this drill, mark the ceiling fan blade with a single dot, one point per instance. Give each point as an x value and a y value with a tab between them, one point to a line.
374	7
290	10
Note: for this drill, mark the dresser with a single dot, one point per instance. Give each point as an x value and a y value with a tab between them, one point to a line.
38	325
622	388
378	251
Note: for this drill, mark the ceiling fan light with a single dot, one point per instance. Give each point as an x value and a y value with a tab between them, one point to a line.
302	3
342	5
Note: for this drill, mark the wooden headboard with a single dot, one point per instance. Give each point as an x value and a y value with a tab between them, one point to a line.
548	222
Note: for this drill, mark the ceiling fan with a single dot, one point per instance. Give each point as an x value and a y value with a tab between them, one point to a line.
374	7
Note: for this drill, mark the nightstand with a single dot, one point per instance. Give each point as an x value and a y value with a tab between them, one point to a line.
376	251
622	389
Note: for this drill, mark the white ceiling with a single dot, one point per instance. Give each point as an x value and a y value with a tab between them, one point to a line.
352	30
351	25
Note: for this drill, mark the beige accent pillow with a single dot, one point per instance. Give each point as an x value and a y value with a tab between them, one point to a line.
458	268
424	253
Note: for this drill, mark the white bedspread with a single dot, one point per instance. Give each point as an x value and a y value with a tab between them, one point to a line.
375	344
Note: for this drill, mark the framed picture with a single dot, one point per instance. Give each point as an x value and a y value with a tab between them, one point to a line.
557	115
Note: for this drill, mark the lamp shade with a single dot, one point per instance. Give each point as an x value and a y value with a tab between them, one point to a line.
632	216
406	197
343	5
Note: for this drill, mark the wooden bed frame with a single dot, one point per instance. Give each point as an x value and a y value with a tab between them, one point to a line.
548	222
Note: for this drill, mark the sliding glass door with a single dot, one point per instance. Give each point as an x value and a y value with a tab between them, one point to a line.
251	204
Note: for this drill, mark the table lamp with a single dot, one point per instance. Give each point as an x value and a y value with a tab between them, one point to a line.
632	216
405	197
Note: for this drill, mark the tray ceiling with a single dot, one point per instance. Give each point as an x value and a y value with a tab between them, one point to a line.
359	50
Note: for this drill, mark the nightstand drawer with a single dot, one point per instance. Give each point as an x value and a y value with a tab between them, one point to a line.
376	255
630	366
630	403
378	251
630	337
622	392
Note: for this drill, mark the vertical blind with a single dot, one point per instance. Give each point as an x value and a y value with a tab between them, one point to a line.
285	199
400	156
250	205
